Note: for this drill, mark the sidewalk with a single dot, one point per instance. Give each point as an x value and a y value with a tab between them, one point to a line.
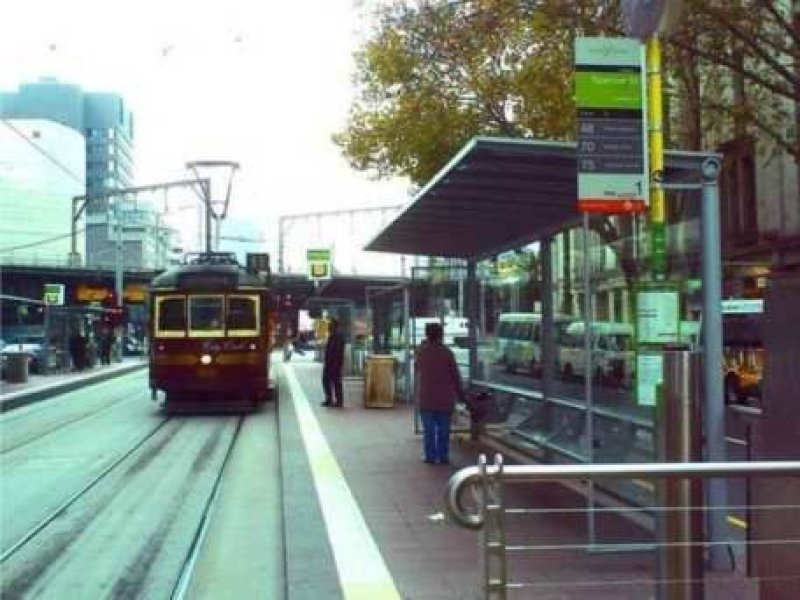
40	387
401	500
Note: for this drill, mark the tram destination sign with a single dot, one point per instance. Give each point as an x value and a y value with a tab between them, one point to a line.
612	150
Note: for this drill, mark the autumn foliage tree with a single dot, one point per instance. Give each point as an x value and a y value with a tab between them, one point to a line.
434	74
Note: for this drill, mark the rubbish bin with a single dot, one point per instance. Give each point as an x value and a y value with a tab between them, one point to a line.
16	367
379	384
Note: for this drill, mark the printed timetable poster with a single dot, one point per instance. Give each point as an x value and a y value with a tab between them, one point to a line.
612	140
657	316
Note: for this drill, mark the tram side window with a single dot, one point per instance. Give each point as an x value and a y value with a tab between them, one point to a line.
206	316
171	317
242	316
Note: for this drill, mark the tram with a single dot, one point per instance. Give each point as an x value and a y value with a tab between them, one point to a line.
210	335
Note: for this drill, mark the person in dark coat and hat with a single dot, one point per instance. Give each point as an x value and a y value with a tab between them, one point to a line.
332	366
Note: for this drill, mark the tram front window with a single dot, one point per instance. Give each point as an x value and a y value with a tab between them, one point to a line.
242	316
171	316
206	316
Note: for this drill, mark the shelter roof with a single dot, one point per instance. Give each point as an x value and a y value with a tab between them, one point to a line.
496	194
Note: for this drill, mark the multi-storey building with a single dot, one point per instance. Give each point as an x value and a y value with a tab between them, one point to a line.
107	128
42	167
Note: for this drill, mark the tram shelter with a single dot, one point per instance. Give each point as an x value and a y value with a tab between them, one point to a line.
497	194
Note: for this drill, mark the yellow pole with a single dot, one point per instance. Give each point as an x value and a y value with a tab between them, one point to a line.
655	116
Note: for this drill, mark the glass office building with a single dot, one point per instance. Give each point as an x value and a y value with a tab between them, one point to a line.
106	126
42	167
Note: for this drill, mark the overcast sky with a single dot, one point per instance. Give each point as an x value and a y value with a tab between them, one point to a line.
264	83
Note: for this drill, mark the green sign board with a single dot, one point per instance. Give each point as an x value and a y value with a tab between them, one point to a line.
319	264
54	294
612	148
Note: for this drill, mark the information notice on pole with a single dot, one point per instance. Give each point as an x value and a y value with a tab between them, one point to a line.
54	294
649	375
612	150
657	316
319	264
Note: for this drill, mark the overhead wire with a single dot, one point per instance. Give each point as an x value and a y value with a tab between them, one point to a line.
45	153
41	242
57	163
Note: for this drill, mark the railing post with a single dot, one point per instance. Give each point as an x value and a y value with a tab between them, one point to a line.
493	535
680	524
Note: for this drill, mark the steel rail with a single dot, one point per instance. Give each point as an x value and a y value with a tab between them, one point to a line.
77	495
187	570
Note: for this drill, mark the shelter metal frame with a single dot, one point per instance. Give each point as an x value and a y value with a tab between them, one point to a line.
496	194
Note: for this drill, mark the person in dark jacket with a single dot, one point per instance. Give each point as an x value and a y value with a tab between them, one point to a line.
332	367
437	386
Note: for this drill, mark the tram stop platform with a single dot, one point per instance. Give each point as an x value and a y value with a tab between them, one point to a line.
373	488
42	386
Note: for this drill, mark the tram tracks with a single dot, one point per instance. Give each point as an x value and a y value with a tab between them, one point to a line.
77	495
158	497
50	423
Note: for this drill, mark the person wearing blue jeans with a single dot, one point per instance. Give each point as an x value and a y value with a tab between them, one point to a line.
437	386
436	435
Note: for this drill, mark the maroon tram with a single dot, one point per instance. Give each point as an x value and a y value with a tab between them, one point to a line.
210	335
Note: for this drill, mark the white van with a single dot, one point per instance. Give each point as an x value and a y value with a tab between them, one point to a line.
612	352
454	328
518	341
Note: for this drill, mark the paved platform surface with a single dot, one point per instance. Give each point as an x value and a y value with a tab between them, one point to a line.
401	500
39	387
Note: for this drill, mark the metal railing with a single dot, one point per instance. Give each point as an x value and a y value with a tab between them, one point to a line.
487	482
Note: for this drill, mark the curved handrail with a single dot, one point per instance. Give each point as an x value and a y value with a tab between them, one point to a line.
468	476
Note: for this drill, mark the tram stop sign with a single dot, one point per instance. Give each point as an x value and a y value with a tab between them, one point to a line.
54	294
612	149
319	264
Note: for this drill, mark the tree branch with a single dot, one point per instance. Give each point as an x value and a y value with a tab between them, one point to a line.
769	6
722	59
755	47
772	132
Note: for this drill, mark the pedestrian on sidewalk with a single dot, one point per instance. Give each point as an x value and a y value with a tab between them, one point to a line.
288	347
332	366
106	342
437	386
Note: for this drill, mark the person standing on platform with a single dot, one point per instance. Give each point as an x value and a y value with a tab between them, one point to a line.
332	366
437	386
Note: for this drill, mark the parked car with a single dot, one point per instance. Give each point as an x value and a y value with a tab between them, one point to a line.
132	346
32	346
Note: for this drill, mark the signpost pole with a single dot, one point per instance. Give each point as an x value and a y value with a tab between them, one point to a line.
655	116
118	270
712	347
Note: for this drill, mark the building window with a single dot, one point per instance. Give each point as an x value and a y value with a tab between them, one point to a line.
738	192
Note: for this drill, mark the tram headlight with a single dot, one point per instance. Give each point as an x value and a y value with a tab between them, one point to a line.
252	346
205	359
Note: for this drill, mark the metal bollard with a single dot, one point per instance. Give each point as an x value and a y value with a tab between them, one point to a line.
680	440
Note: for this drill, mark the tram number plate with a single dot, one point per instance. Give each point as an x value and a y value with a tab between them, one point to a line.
206	373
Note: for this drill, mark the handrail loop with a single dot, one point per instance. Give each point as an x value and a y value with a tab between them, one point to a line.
464	478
